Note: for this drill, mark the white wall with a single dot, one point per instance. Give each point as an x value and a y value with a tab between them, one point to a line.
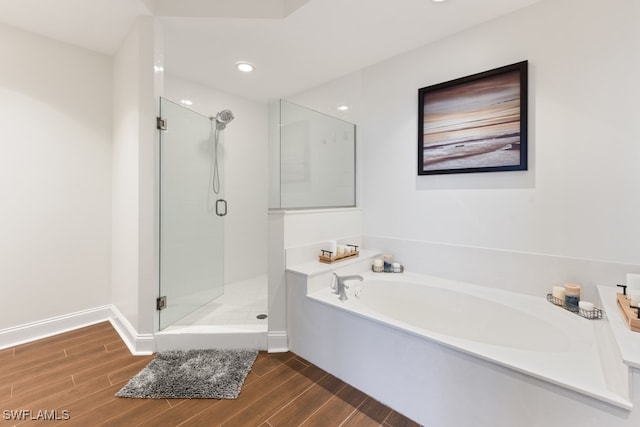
327	97
124	258
579	197
55	184
244	176
134	246
578	200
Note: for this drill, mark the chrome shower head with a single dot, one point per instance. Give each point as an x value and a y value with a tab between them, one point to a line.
223	118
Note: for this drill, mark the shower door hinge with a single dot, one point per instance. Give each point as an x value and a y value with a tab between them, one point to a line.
161	123
161	303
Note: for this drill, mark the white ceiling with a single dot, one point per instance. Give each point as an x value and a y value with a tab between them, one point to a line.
295	44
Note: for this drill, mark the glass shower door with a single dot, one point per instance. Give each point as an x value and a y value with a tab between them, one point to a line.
191	232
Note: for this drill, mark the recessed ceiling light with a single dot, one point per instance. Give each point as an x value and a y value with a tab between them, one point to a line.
186	102
245	67
343	107
438	1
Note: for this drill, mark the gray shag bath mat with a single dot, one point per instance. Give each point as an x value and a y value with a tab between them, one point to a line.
193	374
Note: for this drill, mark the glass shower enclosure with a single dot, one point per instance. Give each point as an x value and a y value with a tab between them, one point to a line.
191	223
312	158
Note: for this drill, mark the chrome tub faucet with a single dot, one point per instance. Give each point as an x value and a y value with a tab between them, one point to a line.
341	288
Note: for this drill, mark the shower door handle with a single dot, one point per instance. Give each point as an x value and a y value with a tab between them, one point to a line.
221	207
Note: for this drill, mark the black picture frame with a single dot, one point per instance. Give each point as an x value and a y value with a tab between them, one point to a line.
476	123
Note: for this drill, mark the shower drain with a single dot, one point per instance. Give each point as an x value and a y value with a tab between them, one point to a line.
261	316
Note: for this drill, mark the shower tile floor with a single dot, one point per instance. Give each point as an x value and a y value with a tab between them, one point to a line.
239	307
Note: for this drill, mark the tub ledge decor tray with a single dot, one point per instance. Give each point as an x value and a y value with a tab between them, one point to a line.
328	258
596	313
388	271
629	314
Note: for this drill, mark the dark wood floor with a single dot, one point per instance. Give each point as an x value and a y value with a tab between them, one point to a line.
74	376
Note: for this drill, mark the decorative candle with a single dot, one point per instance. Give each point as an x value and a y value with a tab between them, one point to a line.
633	281
558	295
333	247
634	297
378	265
340	250
572	296
586	305
388	259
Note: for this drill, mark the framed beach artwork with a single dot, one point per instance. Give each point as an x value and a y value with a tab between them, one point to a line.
476	123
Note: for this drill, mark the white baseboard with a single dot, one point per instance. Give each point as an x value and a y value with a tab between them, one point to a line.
138	344
28	332
277	342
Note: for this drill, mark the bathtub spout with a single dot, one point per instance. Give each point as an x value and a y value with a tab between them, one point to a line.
341	288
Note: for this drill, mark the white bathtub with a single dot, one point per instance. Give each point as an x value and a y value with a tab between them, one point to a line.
450	313
520	332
